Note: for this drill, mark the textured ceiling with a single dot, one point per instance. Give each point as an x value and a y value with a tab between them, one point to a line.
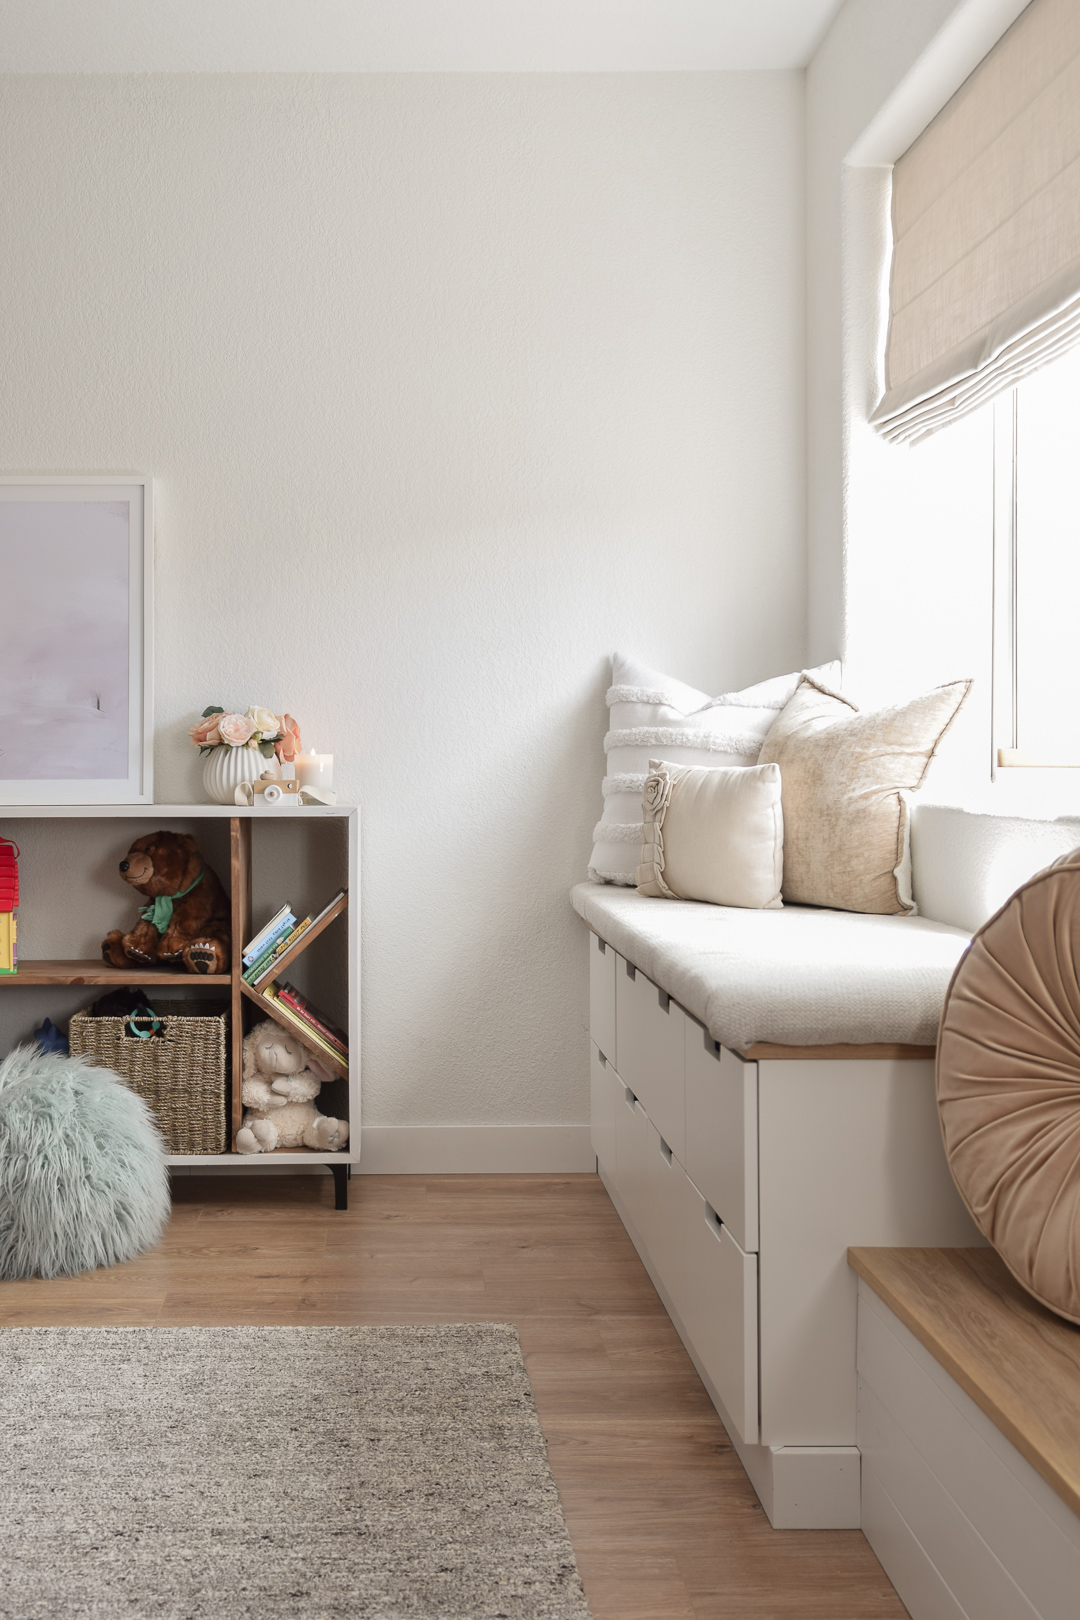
116	36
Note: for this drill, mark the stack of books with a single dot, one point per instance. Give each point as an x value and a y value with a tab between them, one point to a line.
281	933
317	1028
9	899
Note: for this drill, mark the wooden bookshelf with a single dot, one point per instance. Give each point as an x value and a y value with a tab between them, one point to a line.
35	972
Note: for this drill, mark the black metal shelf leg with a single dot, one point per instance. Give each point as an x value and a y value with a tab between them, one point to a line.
340	1173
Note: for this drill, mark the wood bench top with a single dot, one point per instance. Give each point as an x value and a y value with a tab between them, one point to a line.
1018	1361
769	1051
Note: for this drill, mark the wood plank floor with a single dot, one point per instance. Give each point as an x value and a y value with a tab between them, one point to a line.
664	1521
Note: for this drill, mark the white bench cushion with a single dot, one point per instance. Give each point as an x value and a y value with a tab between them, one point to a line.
798	977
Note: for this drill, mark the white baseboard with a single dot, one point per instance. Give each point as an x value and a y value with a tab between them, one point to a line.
816	1488
433	1150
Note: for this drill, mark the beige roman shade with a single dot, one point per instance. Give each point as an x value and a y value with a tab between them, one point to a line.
985	283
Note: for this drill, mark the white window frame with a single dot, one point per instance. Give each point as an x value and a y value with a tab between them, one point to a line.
1007	757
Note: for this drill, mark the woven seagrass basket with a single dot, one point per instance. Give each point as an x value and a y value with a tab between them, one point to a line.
180	1068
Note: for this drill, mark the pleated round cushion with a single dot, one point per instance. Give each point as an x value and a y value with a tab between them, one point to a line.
1008	1083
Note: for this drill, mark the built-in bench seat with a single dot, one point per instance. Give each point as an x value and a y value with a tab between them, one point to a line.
743	1176
763	1098
803	976
969	1430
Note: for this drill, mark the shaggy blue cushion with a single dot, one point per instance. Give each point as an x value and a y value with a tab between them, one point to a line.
83	1180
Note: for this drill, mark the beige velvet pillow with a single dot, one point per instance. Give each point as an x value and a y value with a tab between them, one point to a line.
713	833
1008	1084
845	773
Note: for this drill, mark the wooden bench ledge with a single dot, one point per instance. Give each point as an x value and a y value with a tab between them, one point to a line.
878	1051
1018	1361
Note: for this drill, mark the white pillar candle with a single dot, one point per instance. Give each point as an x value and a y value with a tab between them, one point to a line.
315	771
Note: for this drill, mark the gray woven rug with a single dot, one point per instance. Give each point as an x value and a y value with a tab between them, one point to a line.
308	1473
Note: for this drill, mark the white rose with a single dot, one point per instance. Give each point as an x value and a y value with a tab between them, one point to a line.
657	789
267	724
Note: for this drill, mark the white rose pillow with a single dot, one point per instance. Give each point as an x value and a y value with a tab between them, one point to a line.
713	834
655	716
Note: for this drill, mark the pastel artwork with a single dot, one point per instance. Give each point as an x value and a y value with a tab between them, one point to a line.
64	678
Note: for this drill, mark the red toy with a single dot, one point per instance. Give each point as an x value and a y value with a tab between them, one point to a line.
9	875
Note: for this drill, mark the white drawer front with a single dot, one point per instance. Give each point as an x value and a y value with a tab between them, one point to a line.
602	962
722	1132
650	1039
606	1094
668	1225
723	1324
632	1143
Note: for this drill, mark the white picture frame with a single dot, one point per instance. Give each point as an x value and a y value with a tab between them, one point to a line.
76	639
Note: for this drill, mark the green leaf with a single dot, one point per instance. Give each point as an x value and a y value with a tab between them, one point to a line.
213	709
266	749
205	749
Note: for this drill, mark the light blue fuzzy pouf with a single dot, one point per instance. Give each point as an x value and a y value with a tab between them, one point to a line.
83	1180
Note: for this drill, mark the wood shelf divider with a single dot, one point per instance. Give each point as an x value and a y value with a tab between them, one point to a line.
240	892
46	971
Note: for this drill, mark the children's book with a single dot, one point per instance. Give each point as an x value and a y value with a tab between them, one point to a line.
265	965
266	936
9	953
311	1015
311	1034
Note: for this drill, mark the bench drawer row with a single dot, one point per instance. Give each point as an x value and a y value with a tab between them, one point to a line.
709	1279
701	1098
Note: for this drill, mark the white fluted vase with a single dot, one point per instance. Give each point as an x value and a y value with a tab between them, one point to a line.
227	767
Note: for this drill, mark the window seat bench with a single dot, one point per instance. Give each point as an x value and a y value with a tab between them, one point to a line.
762	1097
969	1430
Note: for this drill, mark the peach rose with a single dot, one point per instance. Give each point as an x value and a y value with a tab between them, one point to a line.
236	729
206	734
290	744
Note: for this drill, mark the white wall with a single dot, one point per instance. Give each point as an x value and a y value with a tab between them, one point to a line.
450	386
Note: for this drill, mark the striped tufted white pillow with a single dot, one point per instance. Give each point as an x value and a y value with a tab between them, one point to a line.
654	715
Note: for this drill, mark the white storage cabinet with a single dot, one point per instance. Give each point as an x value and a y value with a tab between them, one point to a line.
742	1184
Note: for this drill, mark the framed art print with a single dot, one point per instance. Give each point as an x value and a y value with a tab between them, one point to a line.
76	629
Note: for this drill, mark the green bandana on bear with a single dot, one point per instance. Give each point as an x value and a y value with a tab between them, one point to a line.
160	913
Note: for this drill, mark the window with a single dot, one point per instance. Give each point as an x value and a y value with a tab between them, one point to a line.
1037	569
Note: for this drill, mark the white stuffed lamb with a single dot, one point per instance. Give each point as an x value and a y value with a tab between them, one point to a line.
280	1082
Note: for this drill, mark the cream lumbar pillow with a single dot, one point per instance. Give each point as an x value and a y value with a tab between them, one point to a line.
713	833
845	774
656	715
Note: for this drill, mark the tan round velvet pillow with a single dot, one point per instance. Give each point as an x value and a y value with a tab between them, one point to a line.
1008	1084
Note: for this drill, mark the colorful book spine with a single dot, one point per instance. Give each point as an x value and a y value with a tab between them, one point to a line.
271	954
319	1022
310	1034
9	951
9	899
265	965
265	939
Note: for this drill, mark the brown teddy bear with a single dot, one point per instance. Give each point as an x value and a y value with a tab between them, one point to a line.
188	918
